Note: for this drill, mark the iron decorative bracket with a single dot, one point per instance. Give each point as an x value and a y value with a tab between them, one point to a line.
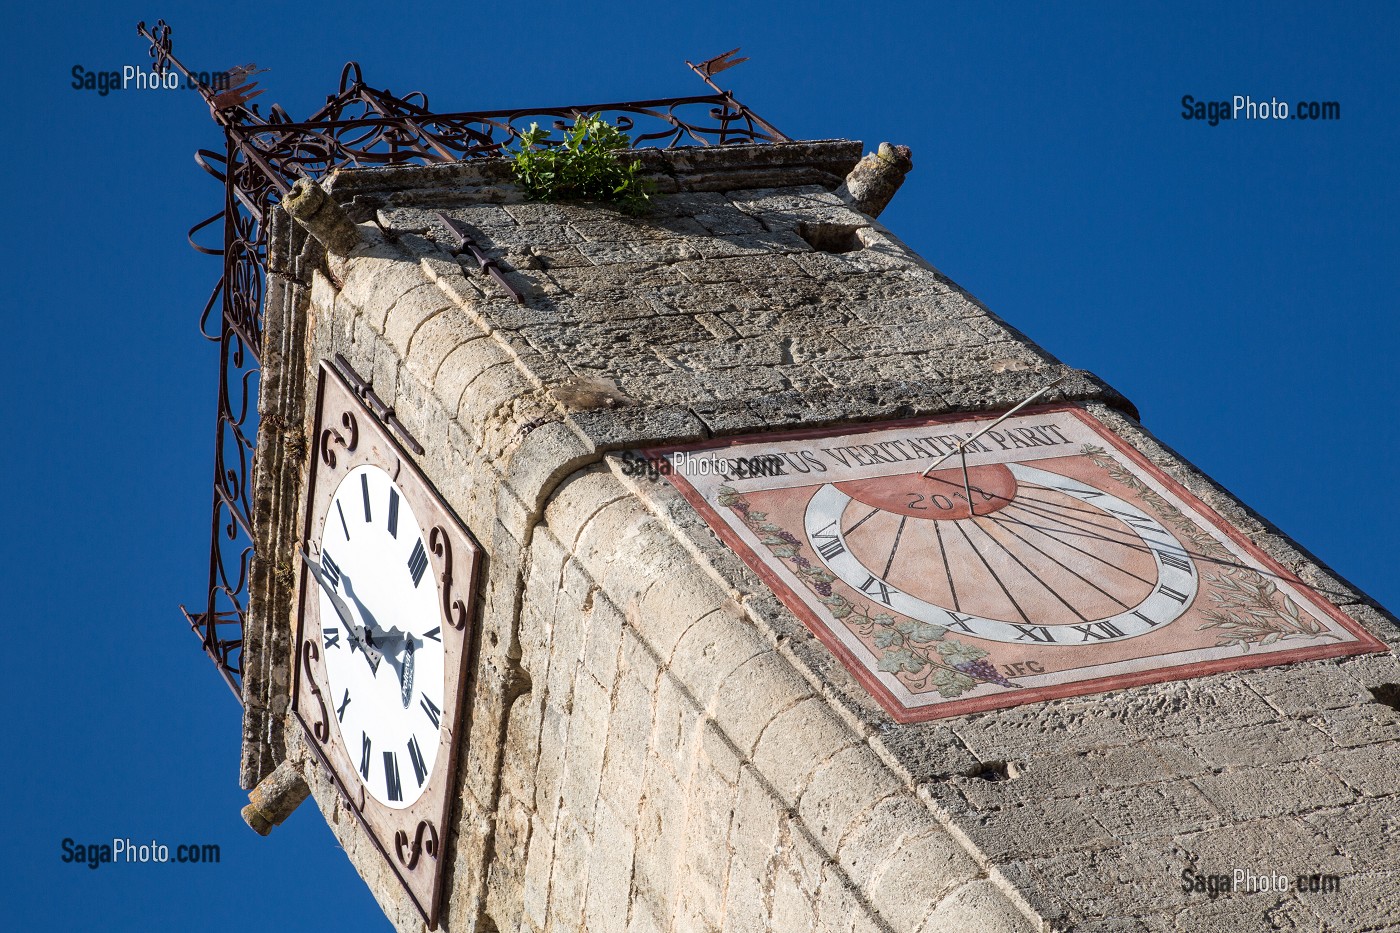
263	157
383	412
465	244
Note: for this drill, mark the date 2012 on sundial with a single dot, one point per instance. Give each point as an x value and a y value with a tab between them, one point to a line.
1054	561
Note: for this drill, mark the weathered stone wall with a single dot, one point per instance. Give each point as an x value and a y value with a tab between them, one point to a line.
656	743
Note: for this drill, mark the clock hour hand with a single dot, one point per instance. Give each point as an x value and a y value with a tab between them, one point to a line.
358	637
396	645
402	663
398	649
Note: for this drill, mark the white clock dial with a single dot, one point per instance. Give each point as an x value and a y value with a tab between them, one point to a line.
381	635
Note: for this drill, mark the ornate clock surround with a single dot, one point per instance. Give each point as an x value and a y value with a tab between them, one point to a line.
414	839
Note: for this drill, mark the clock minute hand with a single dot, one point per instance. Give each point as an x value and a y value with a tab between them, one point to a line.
358	636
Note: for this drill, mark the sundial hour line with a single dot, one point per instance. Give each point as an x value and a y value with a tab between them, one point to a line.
872	513
1104	533
1066	507
1068	569
1019	611
947	569
1034	576
1084	534
899	532
1060	507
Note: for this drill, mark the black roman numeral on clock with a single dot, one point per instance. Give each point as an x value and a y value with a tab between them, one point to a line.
393	789
330	569
1151	622
364	490
415	758
364	755
433	712
435	633
417	562
393	512
960	622
331	636
340	710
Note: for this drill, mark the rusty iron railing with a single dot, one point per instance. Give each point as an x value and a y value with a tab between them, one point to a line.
263	156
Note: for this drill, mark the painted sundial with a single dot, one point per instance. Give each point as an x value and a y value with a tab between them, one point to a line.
1046	559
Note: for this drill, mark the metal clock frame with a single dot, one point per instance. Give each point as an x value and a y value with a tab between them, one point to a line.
413	839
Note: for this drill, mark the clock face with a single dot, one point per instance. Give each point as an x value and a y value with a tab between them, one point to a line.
384	632
1053	560
381	634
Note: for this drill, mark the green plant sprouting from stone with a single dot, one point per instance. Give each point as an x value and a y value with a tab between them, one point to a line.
583	166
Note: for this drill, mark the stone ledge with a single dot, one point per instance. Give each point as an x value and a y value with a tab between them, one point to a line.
692	168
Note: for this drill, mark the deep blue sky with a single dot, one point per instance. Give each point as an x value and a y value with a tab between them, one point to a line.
1237	282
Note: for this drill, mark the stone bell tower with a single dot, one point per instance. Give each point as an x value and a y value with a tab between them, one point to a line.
663	730
729	568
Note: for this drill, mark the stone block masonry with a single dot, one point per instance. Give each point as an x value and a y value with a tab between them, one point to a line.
656	743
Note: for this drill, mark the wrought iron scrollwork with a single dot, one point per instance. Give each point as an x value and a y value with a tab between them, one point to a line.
454	611
159	50
310	654
264	155
419	847
331	436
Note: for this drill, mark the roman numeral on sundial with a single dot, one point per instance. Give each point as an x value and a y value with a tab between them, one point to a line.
960	622
1099	631
1137	522
1079	492
828	542
1179	597
1173	559
874	586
